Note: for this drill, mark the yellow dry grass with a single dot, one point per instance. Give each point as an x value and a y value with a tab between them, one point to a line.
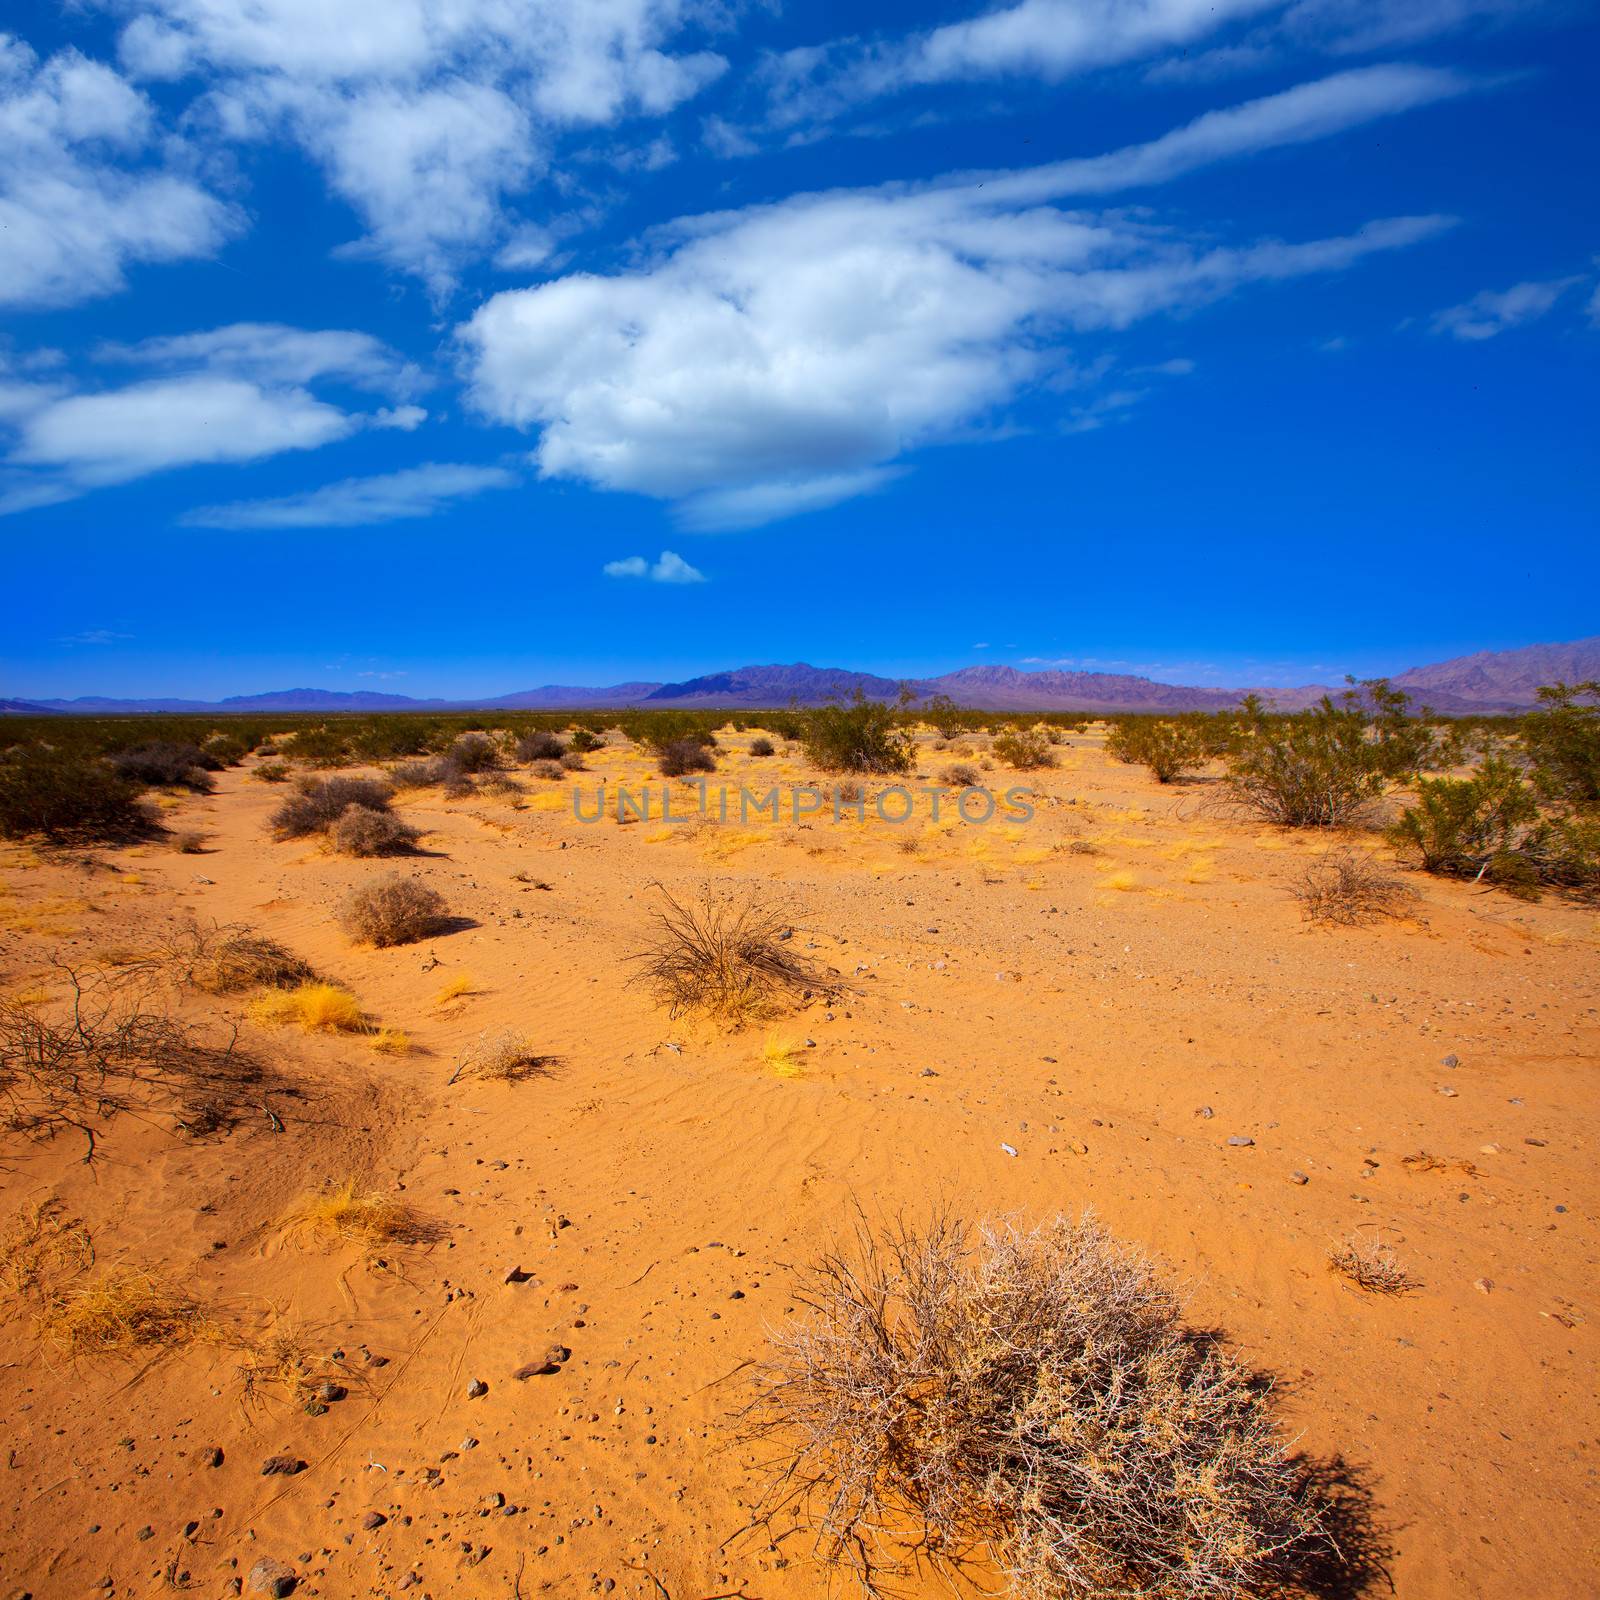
1121	882
313	1007
42	1242
124	1311
780	1051
346	1213
391	1042
51	916
458	988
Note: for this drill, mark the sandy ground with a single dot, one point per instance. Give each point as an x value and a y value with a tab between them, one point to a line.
657	1188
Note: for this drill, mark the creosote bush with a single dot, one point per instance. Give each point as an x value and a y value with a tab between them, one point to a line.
164	764
761	747
729	958
360	831
67	797
1024	749
684	756
391	910
860	735
1350	888
1167	749
540	745
320	802
272	772
1035	1393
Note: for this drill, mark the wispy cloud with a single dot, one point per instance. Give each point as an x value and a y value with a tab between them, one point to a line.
359	502
1492	312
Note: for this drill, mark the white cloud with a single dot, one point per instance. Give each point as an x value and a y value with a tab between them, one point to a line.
1492	312
670	568
80	197
778	359
358	502
95	636
426	117
269	352
228	395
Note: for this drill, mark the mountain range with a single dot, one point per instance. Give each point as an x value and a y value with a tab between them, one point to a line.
1489	681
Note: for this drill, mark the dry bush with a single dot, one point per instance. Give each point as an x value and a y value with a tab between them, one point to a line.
680	757
391	1042
540	746
320	802
361	831
729	958
226	960
313	1007
548	770
573	761
963	775
391	910
125	1311
1349	888
416	774
283	1357
163	765
272	772
761	747
458	786
473	752
1035	1394
107	1049
456	988
347	1213
505	1056
1369	1263
40	1243
504	785
189	842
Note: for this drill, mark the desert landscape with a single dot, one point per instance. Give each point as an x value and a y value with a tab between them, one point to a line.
454	1265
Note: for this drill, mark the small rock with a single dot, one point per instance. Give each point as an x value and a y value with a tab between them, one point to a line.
1204	1111
1077	1147
517	1275
477	1389
1239	1139
1298	1177
271	1577
146	1532
1008	1149
1538	1144
1448	1092
1450	1061
1483	1285
331	1392
282	1467
213	1456
373	1519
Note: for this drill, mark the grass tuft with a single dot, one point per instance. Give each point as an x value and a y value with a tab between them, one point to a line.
313	1007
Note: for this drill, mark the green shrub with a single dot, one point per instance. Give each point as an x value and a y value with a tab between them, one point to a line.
583	740
859	736
1562	742
66	796
761	747
540	746
167	765
1483	827
1168	749
1315	770
473	752
1025	749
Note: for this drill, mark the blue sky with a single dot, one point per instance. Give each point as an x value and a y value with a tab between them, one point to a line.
452	350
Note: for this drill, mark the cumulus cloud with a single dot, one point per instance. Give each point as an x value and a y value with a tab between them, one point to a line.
670	568
779	359
1492	311
84	190
359	502
426	117
239	394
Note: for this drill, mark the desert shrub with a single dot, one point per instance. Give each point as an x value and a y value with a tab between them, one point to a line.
1317	770
320	802
1025	749
273	772
66	796
540	745
1034	1393
1350	888
226	960
416	774
583	740
391	910
1370	1264
963	775
1562	741
388	737
322	746
473	752
167	766
946	718
1167	749
506	1056
360	831
504	785
1485	827
189	842
728	958
573	761
684	756
346	1213
548	770
458	786
859	736
225	749
124	1311
761	747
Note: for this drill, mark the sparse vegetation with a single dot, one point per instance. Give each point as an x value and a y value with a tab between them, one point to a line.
67	797
1168	749
761	747
122	1312
540	745
728	958
1348	887
391	910
313	1007
226	960
683	756
273	772
347	1213
167	765
473	752
1035	1393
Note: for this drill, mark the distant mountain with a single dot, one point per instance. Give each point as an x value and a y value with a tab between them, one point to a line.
1504	680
